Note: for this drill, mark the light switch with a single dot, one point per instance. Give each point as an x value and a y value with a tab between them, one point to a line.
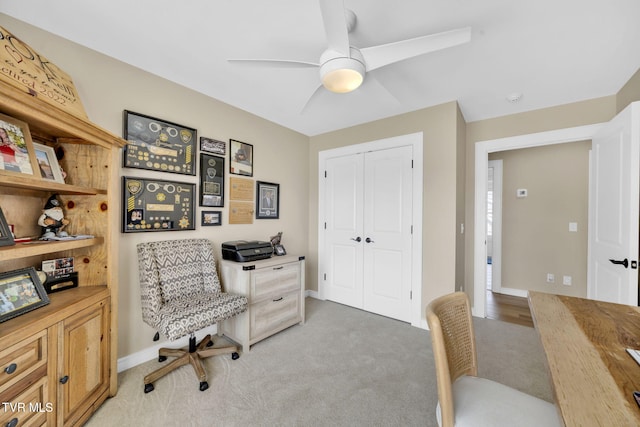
521	192
573	226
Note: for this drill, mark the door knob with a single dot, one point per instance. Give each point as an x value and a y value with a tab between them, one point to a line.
357	239
368	240
624	262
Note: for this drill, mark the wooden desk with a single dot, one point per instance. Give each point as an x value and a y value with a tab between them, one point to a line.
593	377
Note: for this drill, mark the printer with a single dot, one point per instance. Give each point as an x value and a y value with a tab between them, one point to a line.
246	250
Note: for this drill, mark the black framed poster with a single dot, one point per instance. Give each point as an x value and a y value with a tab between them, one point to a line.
211	180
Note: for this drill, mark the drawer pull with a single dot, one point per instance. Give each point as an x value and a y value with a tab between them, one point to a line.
279	299
64	379
12	423
11	369
278	268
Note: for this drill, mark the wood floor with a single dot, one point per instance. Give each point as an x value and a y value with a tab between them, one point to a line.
508	309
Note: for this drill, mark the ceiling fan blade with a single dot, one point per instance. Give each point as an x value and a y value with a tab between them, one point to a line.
379	56
276	63
312	99
335	25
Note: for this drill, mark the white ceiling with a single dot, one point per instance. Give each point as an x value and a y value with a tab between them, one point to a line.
552	51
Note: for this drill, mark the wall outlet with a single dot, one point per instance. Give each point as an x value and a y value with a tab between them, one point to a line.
551	278
566	280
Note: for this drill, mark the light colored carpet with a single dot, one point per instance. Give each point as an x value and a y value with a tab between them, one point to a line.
343	367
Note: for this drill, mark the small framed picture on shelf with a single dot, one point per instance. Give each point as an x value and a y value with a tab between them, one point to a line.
211	218
267	200
240	158
6	236
158	145
20	291
211	180
17	156
48	163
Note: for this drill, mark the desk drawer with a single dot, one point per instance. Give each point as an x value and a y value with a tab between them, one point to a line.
267	317
17	361
28	408
272	282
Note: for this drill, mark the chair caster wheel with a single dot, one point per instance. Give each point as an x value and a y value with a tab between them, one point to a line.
162	358
148	388
210	343
204	385
235	355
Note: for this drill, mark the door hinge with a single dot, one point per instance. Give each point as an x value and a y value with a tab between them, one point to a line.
412	229
411	163
325	225
410	295
325	276
325	174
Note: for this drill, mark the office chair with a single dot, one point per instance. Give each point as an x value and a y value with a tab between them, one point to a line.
464	399
181	294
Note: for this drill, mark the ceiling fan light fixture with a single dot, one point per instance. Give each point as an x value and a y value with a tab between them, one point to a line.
342	75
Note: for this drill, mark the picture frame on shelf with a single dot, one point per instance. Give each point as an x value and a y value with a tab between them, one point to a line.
150	204
48	163
158	145
211	180
210	218
240	158
20	292
17	156
267	200
213	146
6	236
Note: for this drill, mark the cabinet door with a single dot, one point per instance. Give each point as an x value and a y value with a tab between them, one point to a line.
84	363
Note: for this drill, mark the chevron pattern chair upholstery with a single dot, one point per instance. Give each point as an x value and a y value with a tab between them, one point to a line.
180	294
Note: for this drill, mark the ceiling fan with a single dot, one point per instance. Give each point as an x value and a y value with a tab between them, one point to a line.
343	67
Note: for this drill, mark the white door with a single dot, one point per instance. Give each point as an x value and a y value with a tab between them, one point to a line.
387	232
614	210
368	240
343	229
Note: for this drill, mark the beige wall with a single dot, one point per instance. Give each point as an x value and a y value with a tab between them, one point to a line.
629	93
440	193
535	229
107	87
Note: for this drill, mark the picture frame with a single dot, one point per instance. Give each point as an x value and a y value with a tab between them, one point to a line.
210	218
6	236
150	204
158	145
20	292
279	250
213	146
267	200
211	180
17	156
48	163
240	158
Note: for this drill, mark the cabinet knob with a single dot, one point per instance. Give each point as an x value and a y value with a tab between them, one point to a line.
64	379
12	423
11	368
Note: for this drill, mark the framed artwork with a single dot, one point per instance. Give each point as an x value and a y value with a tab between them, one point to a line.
158	145
6	237
211	218
16	148
267	200
240	158
48	163
157	205
211	180
213	146
20	291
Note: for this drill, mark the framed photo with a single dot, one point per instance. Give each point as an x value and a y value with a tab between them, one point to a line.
211	218
158	145
157	205
240	158
279	250
267	200
20	291
48	163
211	180
16	148
6	237
213	146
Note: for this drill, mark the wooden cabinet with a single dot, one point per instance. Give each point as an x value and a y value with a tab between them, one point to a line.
275	289
74	335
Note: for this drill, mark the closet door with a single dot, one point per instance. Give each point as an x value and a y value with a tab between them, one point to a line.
344	228
387	232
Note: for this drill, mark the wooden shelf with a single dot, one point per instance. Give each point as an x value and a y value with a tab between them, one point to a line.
10	183
40	247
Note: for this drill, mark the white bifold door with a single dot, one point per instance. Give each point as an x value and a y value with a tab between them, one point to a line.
368	231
